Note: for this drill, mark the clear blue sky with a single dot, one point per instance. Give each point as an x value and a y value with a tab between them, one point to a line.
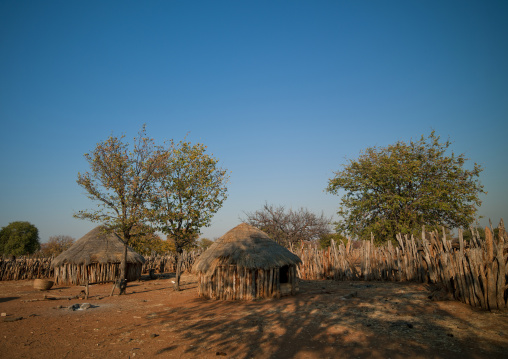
280	91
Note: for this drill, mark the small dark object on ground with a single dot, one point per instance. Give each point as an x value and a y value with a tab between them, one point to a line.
152	274
83	306
351	295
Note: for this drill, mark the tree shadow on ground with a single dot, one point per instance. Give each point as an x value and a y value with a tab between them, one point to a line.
146	284
326	320
6	299
165	275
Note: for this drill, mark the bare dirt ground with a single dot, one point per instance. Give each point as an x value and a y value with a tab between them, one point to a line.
326	319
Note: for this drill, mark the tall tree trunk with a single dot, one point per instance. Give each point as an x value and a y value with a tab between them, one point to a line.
178	269
122	283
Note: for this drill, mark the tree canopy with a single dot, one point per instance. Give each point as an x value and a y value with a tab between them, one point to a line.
204	243
399	188
145	241
326	239
191	188
19	238
289	227
120	180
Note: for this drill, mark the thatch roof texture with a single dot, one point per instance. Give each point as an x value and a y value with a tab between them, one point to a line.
97	246
245	246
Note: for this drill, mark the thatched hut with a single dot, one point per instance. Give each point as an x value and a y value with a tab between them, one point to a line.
96	257
246	264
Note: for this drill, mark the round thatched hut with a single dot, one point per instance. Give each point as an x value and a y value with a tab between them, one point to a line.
246	264
96	257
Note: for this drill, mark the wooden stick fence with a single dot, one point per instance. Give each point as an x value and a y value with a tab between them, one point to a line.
167	263
475	273
25	268
34	268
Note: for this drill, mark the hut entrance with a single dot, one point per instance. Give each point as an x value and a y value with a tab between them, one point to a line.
284	274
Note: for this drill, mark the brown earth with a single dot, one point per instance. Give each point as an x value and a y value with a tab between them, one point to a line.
326	319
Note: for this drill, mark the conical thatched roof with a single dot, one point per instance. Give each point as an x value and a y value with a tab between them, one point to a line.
245	246
97	246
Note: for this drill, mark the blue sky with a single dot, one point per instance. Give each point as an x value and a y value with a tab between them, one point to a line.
282	92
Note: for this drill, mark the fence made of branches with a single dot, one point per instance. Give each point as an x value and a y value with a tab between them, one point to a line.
25	268
39	267
474	272
167	263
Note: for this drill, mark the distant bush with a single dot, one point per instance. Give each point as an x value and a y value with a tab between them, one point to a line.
19	238
326	239
204	243
56	245
467	235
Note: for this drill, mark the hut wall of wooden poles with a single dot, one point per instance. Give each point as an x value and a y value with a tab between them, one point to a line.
232	282
96	272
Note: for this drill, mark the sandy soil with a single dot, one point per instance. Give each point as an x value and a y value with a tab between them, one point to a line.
325	320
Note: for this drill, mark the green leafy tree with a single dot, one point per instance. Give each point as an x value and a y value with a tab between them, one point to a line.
19	238
479	232
399	188
120	180
146	242
189	245
204	243
191	189
326	239
56	245
467	234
